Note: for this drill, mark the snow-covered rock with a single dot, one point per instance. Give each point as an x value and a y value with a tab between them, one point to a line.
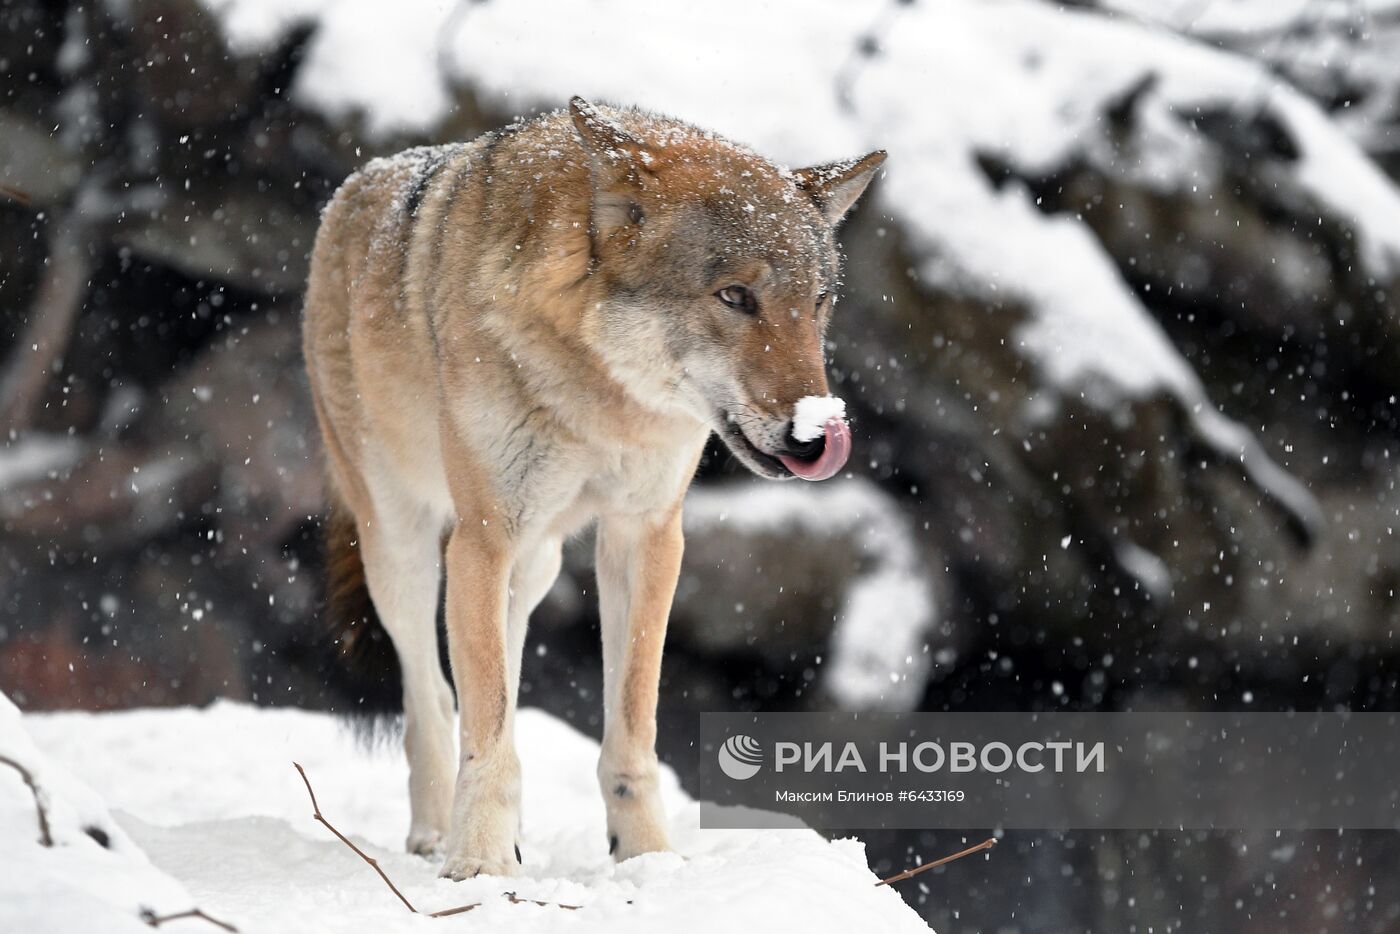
212	797
1342	52
844	541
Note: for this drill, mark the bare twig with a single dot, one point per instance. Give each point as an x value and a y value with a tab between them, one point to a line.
45	837
446	912
346	840
510	896
984	845
155	921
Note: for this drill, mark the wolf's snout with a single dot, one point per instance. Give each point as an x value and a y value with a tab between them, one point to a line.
805	450
823	457
819	440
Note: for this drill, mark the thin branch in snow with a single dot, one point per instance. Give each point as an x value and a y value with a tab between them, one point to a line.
446	912
155	921
45	837
984	845
510	896
346	840
459	910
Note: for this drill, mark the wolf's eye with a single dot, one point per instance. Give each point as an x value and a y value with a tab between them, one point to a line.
821	299
736	296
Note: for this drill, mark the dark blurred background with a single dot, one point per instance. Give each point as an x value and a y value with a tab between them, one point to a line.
160	484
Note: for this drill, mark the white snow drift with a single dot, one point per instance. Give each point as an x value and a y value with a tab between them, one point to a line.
76	871
212	798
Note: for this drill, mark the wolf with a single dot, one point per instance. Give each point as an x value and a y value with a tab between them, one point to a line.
510	339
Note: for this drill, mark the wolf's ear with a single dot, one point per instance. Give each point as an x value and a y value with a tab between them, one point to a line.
836	185
612	149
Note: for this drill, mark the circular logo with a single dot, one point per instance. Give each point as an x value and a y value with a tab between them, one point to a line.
740	757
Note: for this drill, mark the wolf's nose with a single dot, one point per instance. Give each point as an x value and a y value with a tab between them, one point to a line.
821	457
803	450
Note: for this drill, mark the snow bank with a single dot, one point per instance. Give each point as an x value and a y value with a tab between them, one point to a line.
92	877
880	655
212	797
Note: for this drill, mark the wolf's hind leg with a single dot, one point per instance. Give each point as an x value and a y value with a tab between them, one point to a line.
638	564
534	573
401	545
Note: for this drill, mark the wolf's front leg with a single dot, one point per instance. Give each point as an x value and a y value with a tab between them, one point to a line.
638	561
486	808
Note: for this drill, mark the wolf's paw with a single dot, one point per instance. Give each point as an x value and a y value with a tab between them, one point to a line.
638	839
425	841
636	819
485	827
459	868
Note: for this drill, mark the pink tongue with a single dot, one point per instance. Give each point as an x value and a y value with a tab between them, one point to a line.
833	456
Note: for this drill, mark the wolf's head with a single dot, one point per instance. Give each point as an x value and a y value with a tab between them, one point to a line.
718	272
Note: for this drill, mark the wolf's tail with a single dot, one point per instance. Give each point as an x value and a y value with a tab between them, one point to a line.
364	681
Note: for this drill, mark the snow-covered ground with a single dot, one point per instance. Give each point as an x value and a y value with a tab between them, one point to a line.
207	811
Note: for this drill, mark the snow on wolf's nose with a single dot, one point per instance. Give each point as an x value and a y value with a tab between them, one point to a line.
820	417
